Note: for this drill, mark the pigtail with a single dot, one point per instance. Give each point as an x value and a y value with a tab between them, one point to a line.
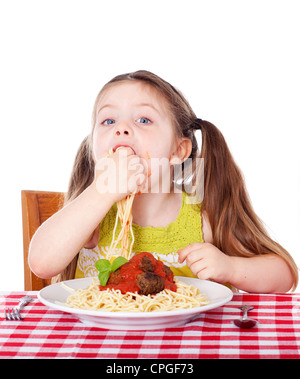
81	177
223	182
236	229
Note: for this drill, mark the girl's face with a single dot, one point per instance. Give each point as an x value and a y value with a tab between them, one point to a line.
134	114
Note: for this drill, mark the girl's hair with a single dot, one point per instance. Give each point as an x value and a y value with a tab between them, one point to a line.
236	229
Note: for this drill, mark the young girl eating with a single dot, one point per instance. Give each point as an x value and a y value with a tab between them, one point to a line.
138	120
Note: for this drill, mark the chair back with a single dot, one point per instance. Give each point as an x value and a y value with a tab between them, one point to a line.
37	207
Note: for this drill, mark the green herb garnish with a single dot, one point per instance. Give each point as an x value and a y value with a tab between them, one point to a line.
105	268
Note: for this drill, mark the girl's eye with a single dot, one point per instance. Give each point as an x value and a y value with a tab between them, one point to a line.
143	120
108	122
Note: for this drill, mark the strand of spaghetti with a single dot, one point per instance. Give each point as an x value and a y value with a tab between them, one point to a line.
132	241
114	233
120	237
124	214
128	224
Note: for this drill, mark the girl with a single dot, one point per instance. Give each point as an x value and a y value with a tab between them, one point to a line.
220	239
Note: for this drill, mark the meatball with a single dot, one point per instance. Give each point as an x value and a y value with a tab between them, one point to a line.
115	277
168	272
149	283
146	264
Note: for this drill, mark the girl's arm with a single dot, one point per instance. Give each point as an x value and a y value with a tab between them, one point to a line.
61	237
93	240
260	273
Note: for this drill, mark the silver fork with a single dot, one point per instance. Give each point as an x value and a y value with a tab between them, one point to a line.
14	313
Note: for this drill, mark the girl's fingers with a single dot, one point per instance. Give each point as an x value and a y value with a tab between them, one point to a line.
201	272
183	253
198	264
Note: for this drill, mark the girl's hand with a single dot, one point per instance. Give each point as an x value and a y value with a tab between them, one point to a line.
119	174
207	262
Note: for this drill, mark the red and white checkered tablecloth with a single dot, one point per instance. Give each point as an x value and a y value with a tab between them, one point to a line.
48	333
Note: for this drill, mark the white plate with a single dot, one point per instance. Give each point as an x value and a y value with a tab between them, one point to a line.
55	296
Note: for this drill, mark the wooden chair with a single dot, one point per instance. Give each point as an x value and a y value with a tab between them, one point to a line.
37	207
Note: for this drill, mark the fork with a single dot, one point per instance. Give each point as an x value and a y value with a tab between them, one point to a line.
14	313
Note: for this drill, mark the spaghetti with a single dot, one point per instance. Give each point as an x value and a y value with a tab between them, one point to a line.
124	214
91	298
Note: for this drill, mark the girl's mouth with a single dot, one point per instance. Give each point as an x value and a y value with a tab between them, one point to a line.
118	146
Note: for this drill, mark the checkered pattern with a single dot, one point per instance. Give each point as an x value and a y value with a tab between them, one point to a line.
47	333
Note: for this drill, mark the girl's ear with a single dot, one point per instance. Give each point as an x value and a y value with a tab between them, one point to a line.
183	151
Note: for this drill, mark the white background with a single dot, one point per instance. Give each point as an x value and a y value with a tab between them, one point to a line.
237	62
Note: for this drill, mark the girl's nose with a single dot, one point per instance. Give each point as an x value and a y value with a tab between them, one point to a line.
123	129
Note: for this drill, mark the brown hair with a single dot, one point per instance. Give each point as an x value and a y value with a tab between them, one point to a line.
236	229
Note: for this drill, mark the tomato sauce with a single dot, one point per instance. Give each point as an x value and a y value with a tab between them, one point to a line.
130	270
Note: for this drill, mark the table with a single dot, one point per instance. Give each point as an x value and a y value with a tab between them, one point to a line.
48	333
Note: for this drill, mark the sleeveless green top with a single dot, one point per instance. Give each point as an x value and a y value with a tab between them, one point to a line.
162	242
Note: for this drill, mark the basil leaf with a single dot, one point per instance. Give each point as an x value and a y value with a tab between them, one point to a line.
105	268
118	262
103	265
103	277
